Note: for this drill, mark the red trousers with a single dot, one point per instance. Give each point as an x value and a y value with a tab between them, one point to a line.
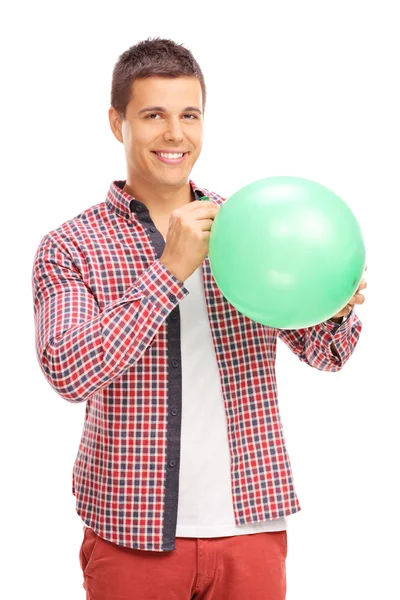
242	567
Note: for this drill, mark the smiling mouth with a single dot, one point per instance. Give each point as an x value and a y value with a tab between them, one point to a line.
170	158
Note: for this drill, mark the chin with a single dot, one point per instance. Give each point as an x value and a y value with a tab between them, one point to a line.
174	180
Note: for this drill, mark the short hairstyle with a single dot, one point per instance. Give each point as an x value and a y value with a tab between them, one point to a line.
152	57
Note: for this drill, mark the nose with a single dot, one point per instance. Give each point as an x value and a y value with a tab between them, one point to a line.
173	130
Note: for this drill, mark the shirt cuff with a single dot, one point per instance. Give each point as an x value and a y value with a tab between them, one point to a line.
340	329
162	287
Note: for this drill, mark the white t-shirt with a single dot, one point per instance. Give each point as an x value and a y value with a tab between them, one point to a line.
205	506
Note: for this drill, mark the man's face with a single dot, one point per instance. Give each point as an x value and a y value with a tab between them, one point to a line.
164	115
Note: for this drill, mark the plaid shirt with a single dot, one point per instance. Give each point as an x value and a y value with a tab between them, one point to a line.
108	333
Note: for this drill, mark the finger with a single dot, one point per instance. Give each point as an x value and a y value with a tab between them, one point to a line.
206	224
203	210
203	204
197	206
358	298
363	285
207	212
346	310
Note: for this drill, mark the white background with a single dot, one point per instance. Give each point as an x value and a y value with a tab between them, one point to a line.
303	88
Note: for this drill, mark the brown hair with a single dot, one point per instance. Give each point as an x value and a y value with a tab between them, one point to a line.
151	57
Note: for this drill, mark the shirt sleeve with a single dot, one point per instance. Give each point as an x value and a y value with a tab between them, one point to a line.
81	348
313	344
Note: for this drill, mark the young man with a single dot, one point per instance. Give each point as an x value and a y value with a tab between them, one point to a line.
182	478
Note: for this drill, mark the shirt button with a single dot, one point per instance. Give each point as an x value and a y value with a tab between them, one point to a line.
173	316
153	229
175	363
172	297
174	411
172	463
139	208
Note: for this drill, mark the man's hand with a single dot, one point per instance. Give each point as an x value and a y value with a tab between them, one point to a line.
186	245
358	298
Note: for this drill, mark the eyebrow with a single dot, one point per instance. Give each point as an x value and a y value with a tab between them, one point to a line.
162	109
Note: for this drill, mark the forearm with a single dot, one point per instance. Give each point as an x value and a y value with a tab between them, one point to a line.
326	346
82	349
334	351
332	343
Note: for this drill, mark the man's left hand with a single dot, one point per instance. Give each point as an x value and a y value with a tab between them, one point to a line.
358	298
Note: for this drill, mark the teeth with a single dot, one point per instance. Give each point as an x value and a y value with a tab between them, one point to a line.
170	154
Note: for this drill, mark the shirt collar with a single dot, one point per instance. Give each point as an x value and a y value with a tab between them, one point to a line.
125	205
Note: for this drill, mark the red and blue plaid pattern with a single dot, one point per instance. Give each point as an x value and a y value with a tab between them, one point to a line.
101	303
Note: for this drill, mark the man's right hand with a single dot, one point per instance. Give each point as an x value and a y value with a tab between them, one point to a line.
186	244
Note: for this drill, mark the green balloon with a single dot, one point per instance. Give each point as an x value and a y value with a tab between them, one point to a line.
286	252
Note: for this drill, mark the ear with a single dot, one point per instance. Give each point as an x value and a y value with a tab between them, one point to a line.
115	123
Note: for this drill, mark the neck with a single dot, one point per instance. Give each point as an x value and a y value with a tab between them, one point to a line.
160	200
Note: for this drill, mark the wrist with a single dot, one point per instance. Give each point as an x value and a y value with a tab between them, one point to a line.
176	272
337	320
342	319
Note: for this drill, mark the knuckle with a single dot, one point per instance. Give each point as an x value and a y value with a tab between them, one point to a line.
181	220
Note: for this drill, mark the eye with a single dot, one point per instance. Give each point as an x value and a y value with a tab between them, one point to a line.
151	115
